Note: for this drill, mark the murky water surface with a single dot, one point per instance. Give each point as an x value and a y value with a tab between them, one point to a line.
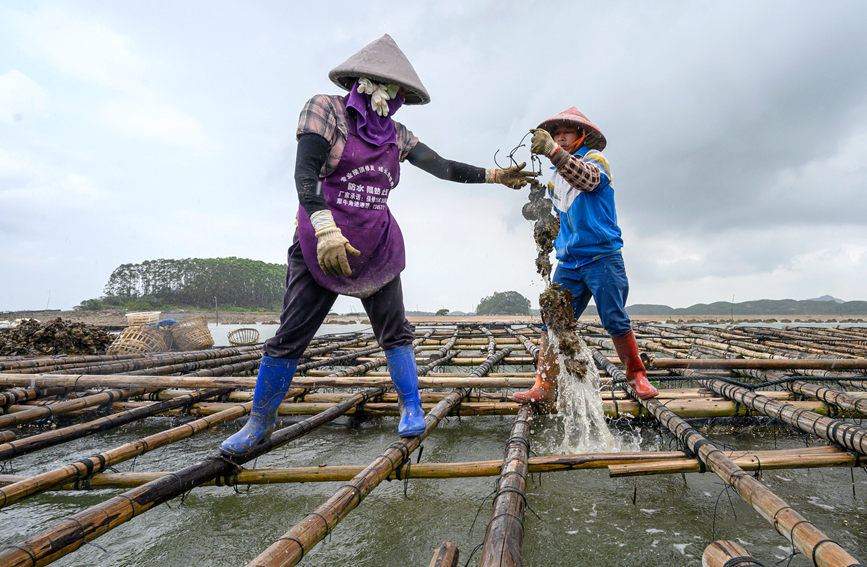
577	518
574	518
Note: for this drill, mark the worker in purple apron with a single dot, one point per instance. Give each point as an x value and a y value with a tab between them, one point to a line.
347	242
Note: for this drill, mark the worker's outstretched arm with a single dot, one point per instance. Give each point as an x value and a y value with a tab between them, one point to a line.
425	158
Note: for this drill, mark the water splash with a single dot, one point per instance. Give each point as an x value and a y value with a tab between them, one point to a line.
579	407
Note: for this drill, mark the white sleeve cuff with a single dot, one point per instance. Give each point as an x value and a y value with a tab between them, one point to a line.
322	220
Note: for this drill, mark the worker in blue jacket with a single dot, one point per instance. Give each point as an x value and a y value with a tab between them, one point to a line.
588	244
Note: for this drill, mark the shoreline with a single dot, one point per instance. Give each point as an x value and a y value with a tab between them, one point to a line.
117	317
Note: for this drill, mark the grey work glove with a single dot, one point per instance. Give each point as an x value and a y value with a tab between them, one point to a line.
542	142
513	177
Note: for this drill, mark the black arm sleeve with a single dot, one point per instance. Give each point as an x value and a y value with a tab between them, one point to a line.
425	158
312	152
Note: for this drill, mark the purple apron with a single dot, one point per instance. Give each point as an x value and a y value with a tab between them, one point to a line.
357	194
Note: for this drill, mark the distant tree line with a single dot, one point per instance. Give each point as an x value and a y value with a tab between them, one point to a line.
193	282
504	303
756	307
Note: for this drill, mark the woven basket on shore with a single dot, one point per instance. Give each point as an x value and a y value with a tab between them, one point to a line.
192	334
142	317
243	336
138	339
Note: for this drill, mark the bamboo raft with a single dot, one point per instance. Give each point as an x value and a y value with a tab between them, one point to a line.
808	379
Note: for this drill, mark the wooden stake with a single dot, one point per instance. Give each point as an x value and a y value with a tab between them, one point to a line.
445	556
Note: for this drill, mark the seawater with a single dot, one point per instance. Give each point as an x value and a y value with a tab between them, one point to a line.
574	518
578	517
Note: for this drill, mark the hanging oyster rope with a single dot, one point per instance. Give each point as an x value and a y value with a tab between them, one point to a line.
380	94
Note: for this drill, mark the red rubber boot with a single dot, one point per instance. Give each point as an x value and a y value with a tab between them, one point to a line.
544	391
636	375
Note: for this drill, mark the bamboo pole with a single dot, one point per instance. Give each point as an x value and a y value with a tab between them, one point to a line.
249	360
17	395
546	464
686	408
763	364
727	554
50	361
445	556
84	381
847	435
842	400
57	436
84	468
505	534
291	547
58	408
813	457
69	534
803	535
476	360
153	361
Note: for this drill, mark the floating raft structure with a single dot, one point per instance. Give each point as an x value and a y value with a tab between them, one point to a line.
811	379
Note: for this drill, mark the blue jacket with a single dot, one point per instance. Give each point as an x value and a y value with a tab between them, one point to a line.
588	219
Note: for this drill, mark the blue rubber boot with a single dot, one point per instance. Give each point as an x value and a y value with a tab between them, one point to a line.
404	374
275	377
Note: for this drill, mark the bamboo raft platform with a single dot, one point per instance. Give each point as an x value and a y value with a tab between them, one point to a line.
808	379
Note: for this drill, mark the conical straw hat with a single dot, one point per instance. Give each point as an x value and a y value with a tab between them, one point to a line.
575	118
383	61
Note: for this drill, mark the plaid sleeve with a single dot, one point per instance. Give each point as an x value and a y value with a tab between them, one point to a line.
582	175
406	140
318	117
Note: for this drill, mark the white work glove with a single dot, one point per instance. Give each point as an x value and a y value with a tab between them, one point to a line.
513	177
542	142
331	246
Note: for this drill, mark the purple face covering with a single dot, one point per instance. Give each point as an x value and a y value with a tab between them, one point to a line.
371	127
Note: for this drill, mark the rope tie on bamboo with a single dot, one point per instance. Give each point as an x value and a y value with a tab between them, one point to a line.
289	538
758	474
86	542
324	521
83	483
32	557
517	491
400	446
815	547
180	487
701	460
521	440
357	491
518	518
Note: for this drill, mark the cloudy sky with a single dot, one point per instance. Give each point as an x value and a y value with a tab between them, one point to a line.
737	138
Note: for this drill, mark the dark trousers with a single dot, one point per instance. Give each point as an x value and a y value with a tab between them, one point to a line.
306	303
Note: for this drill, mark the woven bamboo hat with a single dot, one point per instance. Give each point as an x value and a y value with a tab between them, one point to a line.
576	119
383	61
